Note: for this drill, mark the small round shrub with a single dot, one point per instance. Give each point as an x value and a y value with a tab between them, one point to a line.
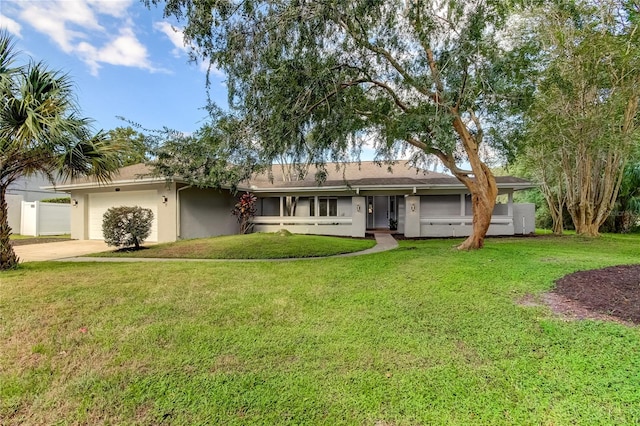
126	226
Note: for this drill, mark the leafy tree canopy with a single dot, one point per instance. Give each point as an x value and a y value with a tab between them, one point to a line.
136	146
319	79
221	153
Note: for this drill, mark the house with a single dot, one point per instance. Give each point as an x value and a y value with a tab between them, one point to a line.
353	198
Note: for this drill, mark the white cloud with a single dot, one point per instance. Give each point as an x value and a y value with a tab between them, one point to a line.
115	8
54	18
123	50
204	67
96	31
10	25
174	35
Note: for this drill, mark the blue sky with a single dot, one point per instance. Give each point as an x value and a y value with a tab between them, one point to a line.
125	60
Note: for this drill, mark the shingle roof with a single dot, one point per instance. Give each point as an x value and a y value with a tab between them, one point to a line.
368	173
134	172
365	173
341	174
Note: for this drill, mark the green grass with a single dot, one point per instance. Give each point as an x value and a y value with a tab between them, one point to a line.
423	334
251	246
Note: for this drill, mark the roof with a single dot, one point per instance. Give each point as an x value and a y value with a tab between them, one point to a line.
351	174
134	174
339	176
370	175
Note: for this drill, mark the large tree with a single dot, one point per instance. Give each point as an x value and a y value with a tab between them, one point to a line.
583	125
136	145
328	76
41	132
219	154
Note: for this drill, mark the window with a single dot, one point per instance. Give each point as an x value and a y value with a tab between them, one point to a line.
326	206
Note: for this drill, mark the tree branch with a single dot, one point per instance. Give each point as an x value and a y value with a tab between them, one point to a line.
341	21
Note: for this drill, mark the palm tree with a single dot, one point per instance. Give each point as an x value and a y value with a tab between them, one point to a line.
41	132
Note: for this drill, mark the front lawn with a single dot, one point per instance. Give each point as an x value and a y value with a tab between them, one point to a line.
251	246
423	334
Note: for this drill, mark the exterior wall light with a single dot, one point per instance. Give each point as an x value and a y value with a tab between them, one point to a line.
357	207
74	202
164	199
413	207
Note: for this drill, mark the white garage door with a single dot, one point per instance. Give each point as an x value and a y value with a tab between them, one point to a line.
100	203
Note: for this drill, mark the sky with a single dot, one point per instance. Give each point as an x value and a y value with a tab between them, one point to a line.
124	59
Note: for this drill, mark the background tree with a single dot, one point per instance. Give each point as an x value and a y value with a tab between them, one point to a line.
221	153
327	76
627	207
41	132
583	125
135	146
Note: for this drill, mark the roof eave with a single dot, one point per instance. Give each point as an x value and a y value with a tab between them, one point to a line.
405	187
111	184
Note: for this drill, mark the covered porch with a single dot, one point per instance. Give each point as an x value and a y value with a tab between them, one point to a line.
423	215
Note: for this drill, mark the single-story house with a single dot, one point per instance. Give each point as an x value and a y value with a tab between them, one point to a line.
355	198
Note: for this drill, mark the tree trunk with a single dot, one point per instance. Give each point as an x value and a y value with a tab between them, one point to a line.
588	229
558	226
482	185
483	200
8	258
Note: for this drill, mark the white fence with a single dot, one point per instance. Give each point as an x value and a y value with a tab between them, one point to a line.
45	218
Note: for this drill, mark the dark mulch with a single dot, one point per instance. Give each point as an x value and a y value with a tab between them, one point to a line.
613	291
26	241
130	249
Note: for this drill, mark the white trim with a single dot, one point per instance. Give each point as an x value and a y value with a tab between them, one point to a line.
301	220
92	185
462	220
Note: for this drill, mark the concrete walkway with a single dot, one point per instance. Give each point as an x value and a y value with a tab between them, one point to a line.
384	242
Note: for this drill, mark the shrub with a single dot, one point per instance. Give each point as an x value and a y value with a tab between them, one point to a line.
244	210
58	200
126	226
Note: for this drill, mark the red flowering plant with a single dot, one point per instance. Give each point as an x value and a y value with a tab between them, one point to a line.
245	209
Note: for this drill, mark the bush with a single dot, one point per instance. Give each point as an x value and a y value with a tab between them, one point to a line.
245	209
126	226
59	200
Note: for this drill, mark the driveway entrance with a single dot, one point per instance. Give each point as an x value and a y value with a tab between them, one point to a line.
51	251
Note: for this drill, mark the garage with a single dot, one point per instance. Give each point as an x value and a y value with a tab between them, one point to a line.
99	203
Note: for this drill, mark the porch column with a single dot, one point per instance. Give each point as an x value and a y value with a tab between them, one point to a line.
358	216
510	205
281	210
463	211
316	208
412	216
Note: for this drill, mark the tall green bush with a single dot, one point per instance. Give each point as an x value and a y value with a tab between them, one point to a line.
126	226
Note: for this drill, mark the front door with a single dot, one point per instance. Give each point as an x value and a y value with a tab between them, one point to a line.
380	209
381	212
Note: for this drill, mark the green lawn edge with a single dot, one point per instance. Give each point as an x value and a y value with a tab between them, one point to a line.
250	246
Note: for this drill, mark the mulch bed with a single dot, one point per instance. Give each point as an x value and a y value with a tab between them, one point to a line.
612	291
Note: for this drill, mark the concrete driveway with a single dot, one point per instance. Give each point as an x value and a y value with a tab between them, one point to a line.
51	251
